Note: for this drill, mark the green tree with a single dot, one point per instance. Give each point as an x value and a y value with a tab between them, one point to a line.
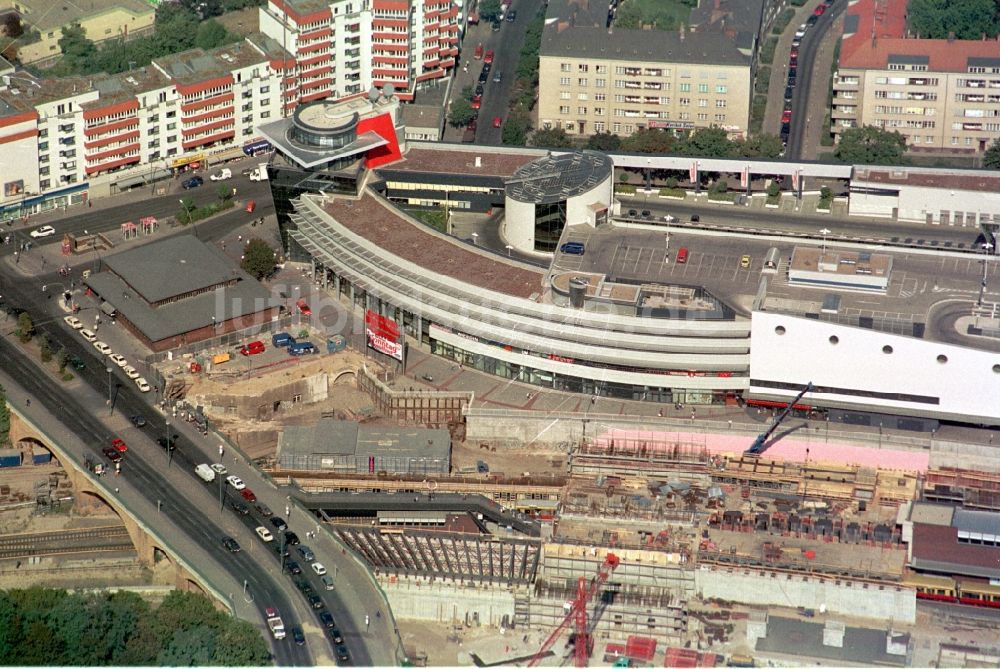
188	207
774	189
11	637
240	645
258	259
489	10
760	145
967	19
551	138
77	50
4	441
515	130
467	92
707	142
211	34
629	15
188	648
25	327
12	26
224	192
649	140
176	28
869	145
40	646
461	113
45	349
604	141
991	159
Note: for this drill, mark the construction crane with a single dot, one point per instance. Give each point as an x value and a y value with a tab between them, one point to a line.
760	443
578	614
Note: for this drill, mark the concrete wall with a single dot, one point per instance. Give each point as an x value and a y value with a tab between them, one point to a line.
839	596
313	388
448	601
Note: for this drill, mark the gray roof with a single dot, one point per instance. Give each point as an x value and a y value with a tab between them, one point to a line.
246	297
579	12
654	46
338	437
277	132
175	266
741	17
422	116
554	178
862	645
977	522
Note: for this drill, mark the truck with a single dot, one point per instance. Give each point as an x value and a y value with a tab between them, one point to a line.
274	622
280	339
302	348
259	173
205	473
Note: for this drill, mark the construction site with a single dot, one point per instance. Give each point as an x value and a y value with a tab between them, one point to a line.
636	547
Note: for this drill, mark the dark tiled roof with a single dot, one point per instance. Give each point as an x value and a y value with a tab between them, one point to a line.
709	48
952	179
491	162
387	229
861	645
936	547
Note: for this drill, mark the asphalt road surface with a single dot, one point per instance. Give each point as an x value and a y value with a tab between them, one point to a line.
804	109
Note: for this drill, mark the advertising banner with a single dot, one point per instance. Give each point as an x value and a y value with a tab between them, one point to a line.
383	335
693	172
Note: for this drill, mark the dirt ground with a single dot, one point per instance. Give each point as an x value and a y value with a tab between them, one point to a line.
449	646
509	462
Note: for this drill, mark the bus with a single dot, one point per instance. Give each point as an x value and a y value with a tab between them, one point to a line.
771	260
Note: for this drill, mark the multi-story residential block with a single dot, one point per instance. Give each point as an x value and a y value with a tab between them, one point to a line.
594	79
943	95
100	19
341	48
65	139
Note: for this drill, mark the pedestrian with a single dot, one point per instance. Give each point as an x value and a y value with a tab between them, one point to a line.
660	413
90	204
239	238
28	400
116	491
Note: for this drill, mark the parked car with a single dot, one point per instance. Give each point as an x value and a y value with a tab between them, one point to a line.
298	636
118	359
131	372
73	322
306	553
236	482
219	469
497	122
342	654
248	495
88	335
477	101
291	539
112	454
263	509
240	508
326	618
811	21
102	348
279	523
511	16
318	568
193	182
138	421
489	57
789	90
327	581
293	567
820	10
786	116
119	445
303	308
336	635
44	231
316	601
253	348
572	248
745	262
497	76
264	534
222	175
143	385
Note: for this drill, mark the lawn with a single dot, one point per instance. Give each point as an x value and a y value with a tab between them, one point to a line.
664	14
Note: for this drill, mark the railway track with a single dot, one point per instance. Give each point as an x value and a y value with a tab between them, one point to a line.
90	540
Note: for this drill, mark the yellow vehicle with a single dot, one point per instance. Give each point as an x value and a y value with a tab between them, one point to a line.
221	358
745	262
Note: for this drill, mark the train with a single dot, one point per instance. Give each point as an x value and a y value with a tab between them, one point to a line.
970	591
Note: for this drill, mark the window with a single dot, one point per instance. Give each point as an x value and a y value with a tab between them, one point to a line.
599	126
172	126
565	67
582	111
581	67
720	104
43	146
172	114
702	102
703	88
702	117
581	96
684	102
264	90
265	114
684	116
582	81
601	83
721	89
599	111
685	88
600	97
617	127
601	69
564	109
564	81
720	117
564	95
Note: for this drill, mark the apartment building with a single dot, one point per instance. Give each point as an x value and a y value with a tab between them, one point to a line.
62	137
943	95
342	48
593	79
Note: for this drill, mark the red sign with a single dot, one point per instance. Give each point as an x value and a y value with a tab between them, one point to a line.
560	358
693	171
383	335
745	177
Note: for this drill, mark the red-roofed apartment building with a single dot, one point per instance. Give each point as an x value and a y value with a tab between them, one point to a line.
941	94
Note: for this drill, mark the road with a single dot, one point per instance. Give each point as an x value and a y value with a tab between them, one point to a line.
805	109
82	412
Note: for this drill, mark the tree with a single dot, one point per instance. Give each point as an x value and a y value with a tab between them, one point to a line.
760	145
489	10
516	129
707	143
211	34
967	19
78	51
461	113
240	645
188	648
12	26
45	349
869	145
189	206
604	141
629	15
4	441
258	259
224	192
991	159
25	328
649	140
551	138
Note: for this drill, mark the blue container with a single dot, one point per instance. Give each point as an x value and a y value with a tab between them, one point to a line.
41	458
10	457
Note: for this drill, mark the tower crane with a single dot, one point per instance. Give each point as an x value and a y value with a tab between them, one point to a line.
760	443
578	614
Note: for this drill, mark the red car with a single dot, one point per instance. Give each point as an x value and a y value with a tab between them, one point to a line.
477	101
786	116
303	308
819	10
489	55
479	51
253	348
119	445
248	495
497	122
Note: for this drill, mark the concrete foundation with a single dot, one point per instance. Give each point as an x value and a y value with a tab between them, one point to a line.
837	596
449	601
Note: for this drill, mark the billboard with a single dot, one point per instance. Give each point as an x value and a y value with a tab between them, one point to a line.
383	335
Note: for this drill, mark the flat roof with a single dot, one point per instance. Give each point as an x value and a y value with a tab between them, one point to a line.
278	133
173	266
975	180
46	15
387	228
474	160
931	514
422	116
641	46
554	178
341	437
195	65
936	548
800	638
840	261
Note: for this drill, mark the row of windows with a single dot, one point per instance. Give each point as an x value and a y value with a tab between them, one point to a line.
584	82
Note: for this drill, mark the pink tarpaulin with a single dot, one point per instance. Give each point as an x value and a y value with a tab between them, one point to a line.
787	450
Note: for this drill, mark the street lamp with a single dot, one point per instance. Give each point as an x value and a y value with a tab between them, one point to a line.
475	238
824	232
982	286
166	437
111	409
509	247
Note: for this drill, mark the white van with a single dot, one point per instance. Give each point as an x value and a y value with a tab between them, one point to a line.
205	473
